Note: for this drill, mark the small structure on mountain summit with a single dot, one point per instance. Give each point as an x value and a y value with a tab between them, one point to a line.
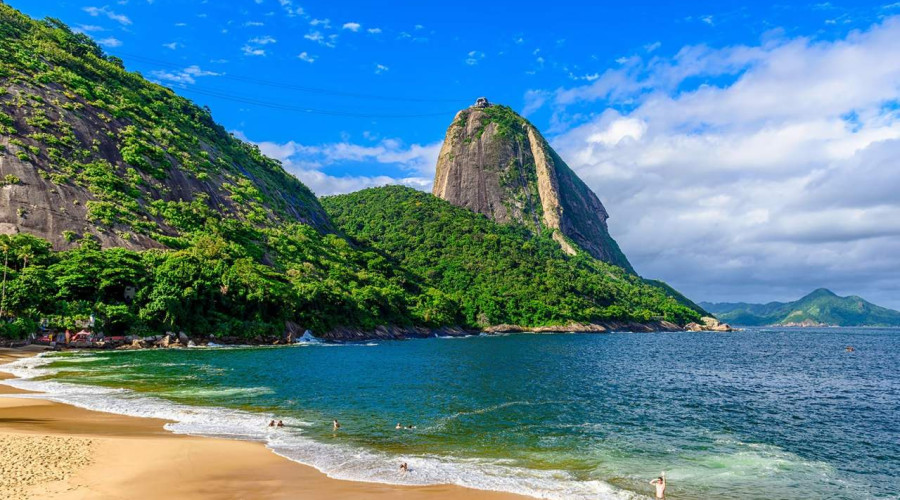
482	102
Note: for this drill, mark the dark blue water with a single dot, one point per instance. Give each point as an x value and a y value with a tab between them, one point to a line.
756	414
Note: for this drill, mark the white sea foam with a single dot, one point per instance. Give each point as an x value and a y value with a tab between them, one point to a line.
337	461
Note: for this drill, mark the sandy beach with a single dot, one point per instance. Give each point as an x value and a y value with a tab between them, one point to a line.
50	450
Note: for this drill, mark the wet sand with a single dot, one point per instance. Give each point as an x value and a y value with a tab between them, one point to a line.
50	450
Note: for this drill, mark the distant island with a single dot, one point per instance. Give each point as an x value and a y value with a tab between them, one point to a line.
822	307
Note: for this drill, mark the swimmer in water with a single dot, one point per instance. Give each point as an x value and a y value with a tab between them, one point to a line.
280	423
660	484
398	426
272	424
404	468
335	424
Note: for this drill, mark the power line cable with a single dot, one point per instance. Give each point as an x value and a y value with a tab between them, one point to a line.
301	88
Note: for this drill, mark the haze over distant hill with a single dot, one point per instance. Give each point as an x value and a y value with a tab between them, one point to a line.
821	307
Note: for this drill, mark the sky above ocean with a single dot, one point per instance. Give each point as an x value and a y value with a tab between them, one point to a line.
744	150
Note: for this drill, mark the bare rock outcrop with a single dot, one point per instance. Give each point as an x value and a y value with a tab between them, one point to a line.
496	163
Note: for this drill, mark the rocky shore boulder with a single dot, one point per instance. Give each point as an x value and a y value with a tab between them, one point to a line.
710	324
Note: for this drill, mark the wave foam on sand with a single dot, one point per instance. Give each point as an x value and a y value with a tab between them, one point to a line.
336	461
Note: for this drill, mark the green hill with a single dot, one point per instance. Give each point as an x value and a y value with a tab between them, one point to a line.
821	307
109	183
487	273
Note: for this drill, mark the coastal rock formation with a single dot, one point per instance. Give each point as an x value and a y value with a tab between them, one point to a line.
496	163
709	324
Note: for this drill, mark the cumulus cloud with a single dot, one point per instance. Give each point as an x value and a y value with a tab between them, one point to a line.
309	163
324	40
304	56
250	50
262	40
186	75
109	42
352	26
104	11
780	177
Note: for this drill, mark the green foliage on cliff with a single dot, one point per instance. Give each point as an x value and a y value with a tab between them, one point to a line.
244	246
488	273
74	112
821	306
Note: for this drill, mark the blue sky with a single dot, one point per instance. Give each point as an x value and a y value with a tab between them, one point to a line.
722	136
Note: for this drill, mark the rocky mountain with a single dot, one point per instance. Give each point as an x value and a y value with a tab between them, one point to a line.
819	308
88	148
123	202
496	163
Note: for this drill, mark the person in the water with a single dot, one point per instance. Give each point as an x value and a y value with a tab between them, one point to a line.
398	426
280	423
335	424
404	468
272	424
660	484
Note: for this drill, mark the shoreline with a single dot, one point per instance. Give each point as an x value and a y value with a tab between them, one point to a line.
349	335
106	454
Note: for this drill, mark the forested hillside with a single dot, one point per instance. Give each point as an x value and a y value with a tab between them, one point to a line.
112	183
489	273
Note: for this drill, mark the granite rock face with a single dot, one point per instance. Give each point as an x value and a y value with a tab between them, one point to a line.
496	163
59	152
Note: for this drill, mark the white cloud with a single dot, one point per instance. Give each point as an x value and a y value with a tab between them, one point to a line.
781	178
352	26
289	8
262	40
325	23
104	11
308	163
252	51
316	36
184	76
380	68
473	57
87	28
254	23
374	31
172	45
109	42
304	56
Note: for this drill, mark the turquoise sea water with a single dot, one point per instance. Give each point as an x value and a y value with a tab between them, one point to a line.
763	413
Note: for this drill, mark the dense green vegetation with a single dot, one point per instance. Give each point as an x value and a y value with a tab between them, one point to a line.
82	120
217	285
243	246
819	307
487	273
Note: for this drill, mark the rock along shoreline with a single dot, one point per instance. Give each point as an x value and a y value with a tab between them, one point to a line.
294	334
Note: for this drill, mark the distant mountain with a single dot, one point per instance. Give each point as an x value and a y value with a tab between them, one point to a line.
821	307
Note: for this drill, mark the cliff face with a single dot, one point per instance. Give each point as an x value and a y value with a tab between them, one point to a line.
496	163
87	148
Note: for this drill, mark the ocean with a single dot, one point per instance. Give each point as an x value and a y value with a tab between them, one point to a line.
761	413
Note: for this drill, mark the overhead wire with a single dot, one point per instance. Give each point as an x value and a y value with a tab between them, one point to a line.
301	88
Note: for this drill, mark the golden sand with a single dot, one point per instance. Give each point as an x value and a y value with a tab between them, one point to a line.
50	451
